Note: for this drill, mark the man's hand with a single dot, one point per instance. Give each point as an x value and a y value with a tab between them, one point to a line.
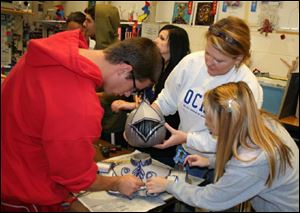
177	137
128	184
196	160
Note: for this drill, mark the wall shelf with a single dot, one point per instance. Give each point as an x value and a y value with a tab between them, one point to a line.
129	22
51	21
5	10
52	26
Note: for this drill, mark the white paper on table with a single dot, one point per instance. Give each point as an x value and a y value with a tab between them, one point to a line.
102	201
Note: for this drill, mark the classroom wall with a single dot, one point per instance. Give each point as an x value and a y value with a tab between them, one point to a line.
72	6
267	51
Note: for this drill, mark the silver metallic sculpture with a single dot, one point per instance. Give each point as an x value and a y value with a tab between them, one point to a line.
145	126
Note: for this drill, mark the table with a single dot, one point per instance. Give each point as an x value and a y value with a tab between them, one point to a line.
77	206
101	143
291	123
290	120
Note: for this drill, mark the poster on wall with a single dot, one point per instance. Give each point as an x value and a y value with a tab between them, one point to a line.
232	8
182	12
205	13
282	15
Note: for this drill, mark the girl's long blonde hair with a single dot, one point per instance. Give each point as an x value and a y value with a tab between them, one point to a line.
233	109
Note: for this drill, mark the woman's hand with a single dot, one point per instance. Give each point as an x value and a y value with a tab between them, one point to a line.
196	160
156	184
177	137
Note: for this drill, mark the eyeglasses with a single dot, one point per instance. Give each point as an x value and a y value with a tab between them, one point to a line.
222	35
135	89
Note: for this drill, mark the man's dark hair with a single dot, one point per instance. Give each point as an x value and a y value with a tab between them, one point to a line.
141	53
77	16
90	11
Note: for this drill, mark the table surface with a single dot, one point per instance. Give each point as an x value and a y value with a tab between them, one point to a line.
290	120
77	205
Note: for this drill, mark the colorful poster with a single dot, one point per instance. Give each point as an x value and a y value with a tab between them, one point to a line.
205	13
181	13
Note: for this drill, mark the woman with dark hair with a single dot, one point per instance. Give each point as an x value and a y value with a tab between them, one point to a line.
173	43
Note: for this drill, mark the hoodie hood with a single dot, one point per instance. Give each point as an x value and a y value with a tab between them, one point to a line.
107	22
62	49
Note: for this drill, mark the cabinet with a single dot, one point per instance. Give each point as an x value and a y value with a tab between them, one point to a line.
273	90
281	98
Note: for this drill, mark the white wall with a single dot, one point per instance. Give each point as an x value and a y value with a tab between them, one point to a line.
72	6
266	51
125	7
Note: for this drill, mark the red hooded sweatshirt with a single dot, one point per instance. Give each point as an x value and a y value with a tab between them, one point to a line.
50	116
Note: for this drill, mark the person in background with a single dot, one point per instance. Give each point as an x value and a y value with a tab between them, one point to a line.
226	50
256	158
75	21
90	27
173	42
50	117
108	19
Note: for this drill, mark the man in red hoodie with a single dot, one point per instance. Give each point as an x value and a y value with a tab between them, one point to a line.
50	117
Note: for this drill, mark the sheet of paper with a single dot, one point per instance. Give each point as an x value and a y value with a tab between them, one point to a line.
105	202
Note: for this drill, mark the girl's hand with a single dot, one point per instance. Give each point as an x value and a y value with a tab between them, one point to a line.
196	160
156	184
